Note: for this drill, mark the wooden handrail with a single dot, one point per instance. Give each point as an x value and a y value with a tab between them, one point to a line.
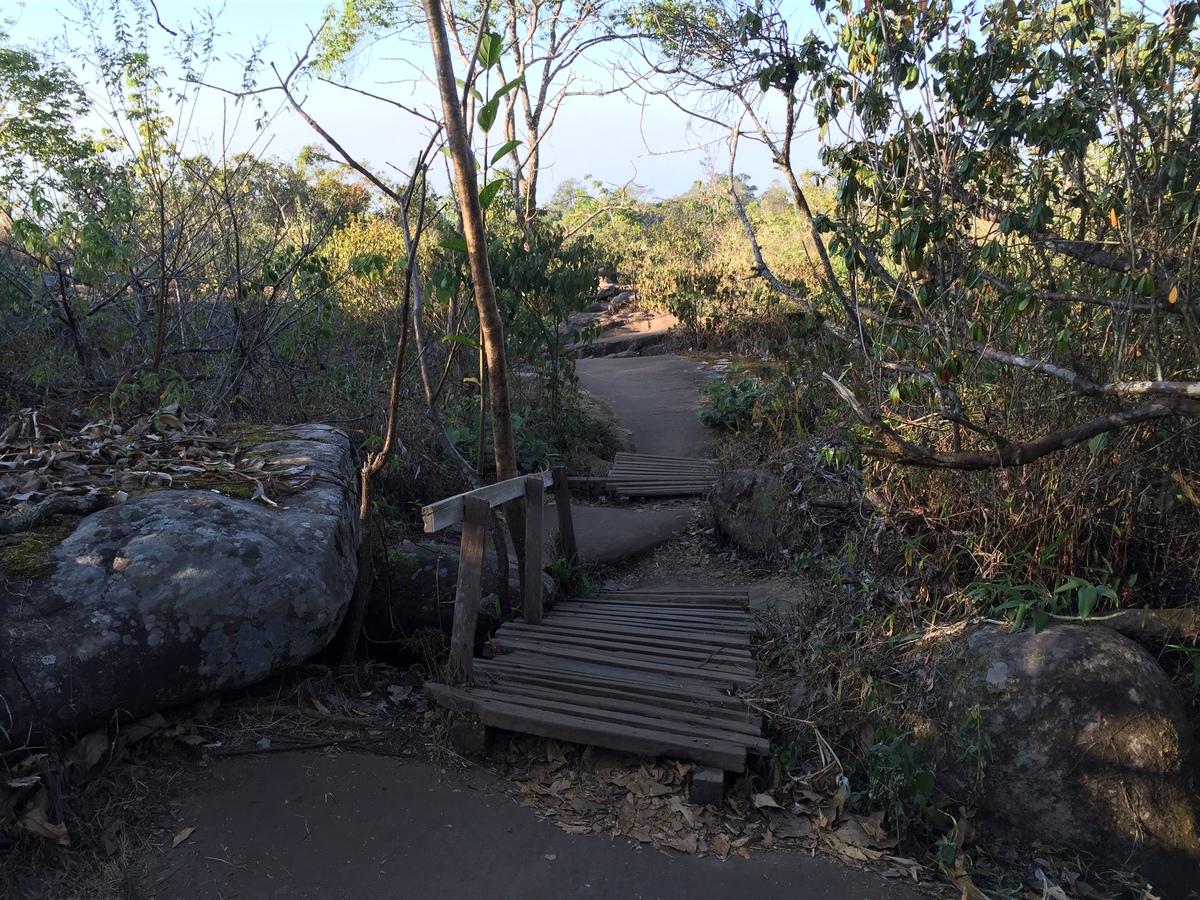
472	508
445	513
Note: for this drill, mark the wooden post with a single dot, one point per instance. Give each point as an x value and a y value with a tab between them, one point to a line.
470	589
535	499
566	526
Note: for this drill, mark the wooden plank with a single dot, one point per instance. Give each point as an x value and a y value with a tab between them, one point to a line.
535	503
629	660
644	634
683	618
740	721
734	604
713	657
657	620
702	608
719	593
586	676
735	599
622	717
513	717
449	512
730	709
470	588
566	524
623	455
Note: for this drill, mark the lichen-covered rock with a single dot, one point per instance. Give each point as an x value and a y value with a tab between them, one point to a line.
1090	745
174	595
751	510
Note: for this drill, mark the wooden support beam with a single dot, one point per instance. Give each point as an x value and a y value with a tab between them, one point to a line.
566	525
470	589
449	512
535	499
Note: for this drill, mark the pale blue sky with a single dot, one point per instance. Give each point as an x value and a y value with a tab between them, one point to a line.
610	138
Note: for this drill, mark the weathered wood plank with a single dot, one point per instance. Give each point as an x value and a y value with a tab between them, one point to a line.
732	596
739	721
535	502
631	661
613	736
668	618
586	676
715	610
627	717
725	657
444	513
683	682
641	634
470	588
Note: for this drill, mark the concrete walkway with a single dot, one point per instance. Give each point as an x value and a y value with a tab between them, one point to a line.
354	827
656	398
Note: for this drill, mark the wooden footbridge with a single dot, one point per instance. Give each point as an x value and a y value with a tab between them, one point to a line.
656	672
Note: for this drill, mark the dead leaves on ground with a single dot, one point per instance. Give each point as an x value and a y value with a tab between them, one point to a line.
593	791
41	458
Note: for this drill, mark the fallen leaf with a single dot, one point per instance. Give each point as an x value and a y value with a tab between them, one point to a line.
182	836
685	844
785	825
763	801
89	751
143	728
744	852
720	846
37	821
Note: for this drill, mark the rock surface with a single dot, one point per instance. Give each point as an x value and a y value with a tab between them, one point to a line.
1091	747
751	510
174	595
417	589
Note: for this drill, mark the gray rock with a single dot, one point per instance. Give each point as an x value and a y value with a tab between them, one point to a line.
1091	747
751	510
417	588
175	595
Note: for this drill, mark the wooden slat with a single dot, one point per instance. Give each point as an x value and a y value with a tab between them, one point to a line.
656	620
647	635
512	717
532	660
634	661
716	658
625	456
470	589
449	512
734	713
626	715
535	502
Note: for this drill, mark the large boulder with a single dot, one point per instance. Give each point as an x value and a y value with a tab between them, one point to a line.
174	595
1090	745
751	509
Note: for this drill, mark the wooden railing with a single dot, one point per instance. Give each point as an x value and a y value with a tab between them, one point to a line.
472	510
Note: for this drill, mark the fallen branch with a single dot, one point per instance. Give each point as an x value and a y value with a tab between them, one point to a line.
1008	455
29	517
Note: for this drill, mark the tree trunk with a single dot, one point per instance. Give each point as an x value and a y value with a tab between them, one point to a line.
481	274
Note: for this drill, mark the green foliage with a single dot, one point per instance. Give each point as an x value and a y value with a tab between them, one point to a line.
732	403
901	785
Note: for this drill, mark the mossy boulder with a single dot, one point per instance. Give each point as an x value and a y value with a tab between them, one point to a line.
1090	745
175	595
